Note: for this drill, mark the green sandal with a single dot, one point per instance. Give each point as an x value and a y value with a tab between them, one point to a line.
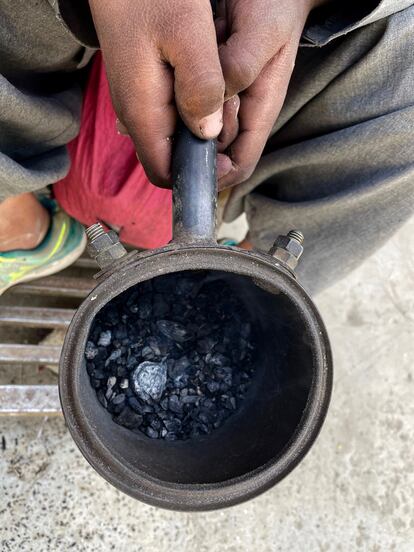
62	245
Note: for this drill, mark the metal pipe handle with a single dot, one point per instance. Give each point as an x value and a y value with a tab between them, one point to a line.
194	185
194	188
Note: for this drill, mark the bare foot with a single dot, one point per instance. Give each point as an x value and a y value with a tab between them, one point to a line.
24	222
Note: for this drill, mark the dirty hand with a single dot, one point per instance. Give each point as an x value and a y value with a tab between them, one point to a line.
161	56
258	43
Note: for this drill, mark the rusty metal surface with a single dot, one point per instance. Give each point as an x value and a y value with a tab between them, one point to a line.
11	353
29	399
87	425
56	286
35	317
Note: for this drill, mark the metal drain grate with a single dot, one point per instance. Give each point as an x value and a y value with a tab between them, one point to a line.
41	305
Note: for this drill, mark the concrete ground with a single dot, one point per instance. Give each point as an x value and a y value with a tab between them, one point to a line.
354	490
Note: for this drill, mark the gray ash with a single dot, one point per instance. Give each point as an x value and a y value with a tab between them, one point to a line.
172	358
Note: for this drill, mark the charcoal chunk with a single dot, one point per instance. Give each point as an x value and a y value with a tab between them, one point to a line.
95	383
190	399
91	350
135	404
124	384
173	425
129	418
224	374
170	436
160	306
149	380
118	399
116	354
105	338
145	307
206	345
152	433
217	359
111	382
213	386
174	330
180	372
175	405
172	358
98	374
155	422
184	286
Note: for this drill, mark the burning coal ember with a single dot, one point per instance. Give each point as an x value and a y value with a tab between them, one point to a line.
172	358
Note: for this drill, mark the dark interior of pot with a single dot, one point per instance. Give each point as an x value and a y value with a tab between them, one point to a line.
264	421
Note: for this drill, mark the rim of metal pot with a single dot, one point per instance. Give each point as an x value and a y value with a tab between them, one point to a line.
194	497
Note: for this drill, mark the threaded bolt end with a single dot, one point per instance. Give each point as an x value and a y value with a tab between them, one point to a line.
296	235
95	231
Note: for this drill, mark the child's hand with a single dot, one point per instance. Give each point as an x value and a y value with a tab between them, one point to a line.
161	56
259	43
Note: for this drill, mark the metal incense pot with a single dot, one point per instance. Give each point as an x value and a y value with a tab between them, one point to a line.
289	396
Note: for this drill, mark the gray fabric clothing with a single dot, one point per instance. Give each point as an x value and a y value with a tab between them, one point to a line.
340	18
335	19
40	96
340	163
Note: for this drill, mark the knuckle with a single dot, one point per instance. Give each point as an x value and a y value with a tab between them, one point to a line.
203	93
246	172
158	178
126	111
241	174
239	77
240	69
246	169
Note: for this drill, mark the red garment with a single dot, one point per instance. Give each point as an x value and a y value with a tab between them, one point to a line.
106	182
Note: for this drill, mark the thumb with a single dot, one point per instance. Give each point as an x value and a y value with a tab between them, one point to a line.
198	78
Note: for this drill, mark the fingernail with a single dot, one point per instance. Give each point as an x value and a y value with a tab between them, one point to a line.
211	125
236	101
224	166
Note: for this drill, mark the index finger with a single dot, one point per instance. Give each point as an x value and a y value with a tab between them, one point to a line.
259	108
254	38
146	107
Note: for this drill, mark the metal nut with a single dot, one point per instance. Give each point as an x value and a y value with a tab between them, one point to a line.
105	240
287	250
105	248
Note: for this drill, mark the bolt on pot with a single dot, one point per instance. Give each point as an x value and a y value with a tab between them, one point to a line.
287	403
